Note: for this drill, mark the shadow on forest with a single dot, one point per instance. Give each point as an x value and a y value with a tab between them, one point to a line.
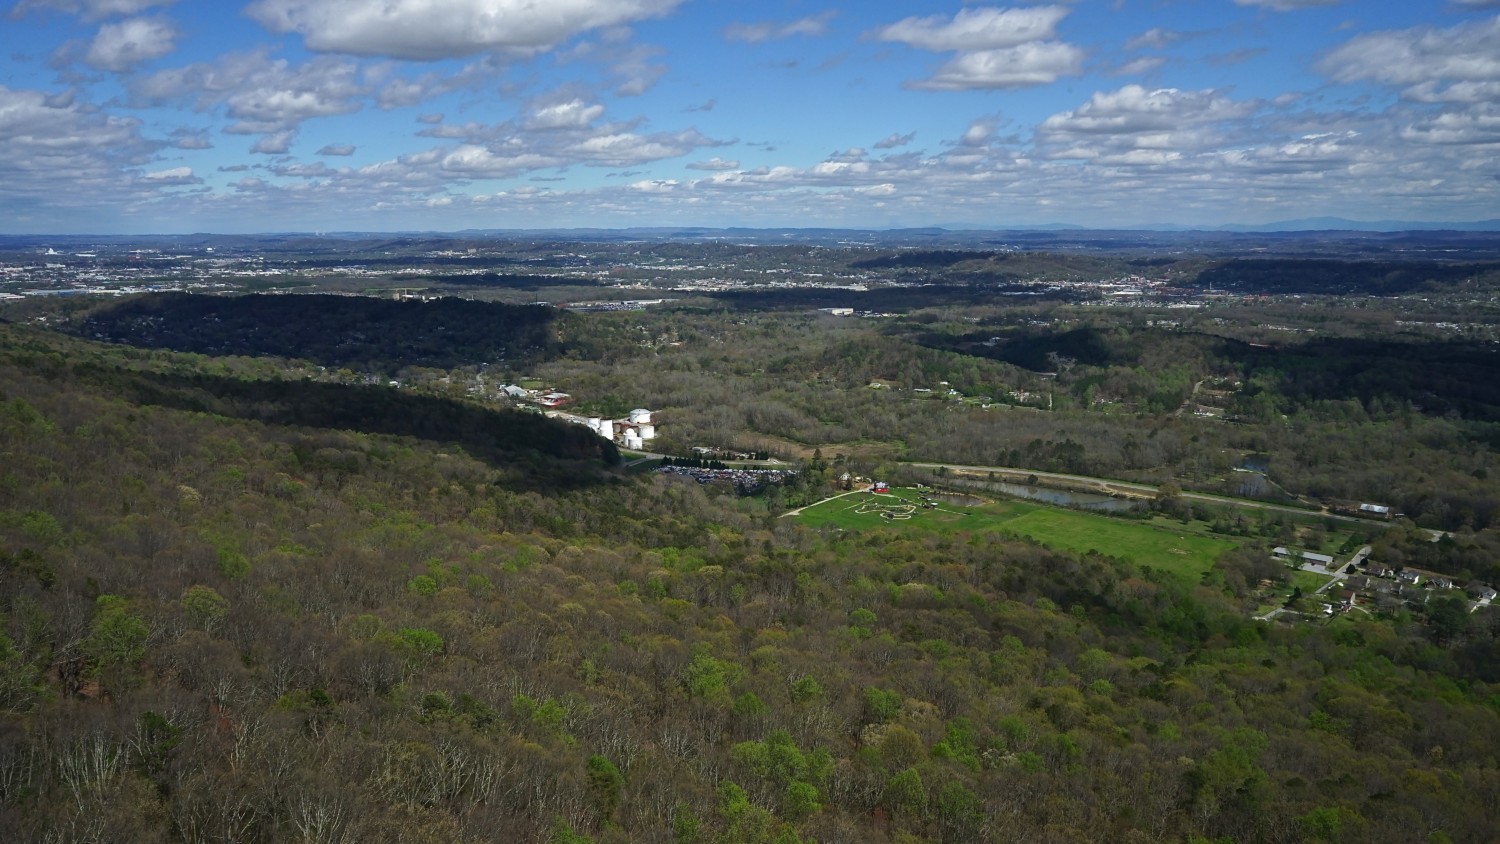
1309	276
1436	378
357	331
535	452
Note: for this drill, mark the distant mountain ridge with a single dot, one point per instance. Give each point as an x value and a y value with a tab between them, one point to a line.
1342	224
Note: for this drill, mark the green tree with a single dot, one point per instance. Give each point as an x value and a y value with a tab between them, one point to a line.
117	637
204	607
905	795
606	782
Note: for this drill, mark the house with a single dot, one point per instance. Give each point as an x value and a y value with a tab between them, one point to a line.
1371	585
1412	594
1307	556
1439	583
514	392
1480	592
1408	576
1381	571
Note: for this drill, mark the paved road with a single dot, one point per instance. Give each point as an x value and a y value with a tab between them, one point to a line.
1107	486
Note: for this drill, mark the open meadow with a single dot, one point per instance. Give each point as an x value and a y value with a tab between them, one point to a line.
1184	554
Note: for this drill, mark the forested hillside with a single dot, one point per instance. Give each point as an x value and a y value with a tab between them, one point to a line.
221	626
331	330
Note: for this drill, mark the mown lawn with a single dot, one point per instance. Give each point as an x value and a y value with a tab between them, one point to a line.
1184	554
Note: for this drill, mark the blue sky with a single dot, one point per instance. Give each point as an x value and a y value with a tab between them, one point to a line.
137	116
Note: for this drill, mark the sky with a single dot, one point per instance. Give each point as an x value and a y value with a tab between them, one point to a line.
167	116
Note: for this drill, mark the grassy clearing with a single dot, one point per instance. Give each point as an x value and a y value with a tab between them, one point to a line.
1308	580
1182	553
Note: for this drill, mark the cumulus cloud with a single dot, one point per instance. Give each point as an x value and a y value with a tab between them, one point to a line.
1480	125
426	30
754	33
1013	67
337	149
1139	125
260	95
61	153
173	176
276	143
89	10
894	140
121	46
976	29
997	48
573	114
1459	64
714	164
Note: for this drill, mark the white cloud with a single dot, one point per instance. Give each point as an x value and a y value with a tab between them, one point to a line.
89	10
425	30
1457	64
976	29
715	164
655	185
754	33
121	46
1134	109
1137	67
894	140
173	176
1480	125
62	154
624	149
337	149
573	114
276	143
998	48
1011	67
260	95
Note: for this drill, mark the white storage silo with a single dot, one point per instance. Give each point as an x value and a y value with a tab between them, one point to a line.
640	416
648	432
606	429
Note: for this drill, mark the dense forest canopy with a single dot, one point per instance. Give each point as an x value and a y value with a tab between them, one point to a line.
252	590
227	628
331	330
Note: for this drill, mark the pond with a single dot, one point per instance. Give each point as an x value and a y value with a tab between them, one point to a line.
1067	498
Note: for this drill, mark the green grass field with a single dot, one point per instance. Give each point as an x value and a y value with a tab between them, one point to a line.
1185	554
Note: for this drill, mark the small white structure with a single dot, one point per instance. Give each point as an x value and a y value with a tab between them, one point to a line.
648	432
640	416
632	441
